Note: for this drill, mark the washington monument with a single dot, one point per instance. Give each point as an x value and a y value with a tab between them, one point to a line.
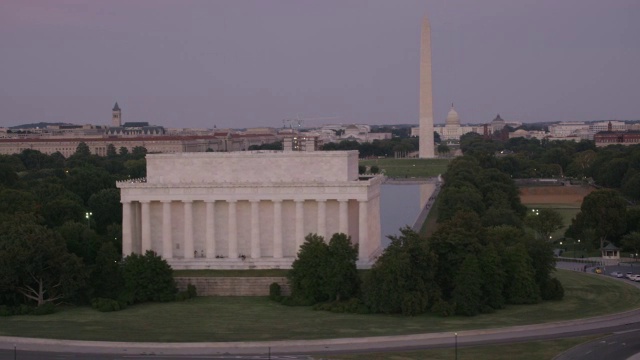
426	96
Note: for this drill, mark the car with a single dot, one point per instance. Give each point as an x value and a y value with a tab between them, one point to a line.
628	275
634	277
598	270
617	274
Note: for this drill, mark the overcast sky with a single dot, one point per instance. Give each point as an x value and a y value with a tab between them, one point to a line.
241	63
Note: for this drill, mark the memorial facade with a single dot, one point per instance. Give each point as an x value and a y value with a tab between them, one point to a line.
248	210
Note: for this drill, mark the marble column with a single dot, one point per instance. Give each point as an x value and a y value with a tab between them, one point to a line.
127	236
343	214
299	219
210	232
277	229
233	231
188	229
146	227
255	229
322	219
363	230
167	244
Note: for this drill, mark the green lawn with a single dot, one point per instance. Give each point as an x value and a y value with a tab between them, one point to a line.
409	168
535	350
257	318
568	212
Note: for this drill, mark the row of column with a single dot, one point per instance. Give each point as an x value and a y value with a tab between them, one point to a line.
167	244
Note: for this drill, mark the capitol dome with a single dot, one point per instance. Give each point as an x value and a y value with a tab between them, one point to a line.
452	117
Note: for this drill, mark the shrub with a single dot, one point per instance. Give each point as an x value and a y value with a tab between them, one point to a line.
182	296
275	292
5	311
296	301
44	309
413	303
107	305
23	309
353	305
192	291
148	277
443	308
552	290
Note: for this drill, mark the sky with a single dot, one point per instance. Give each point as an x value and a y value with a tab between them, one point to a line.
253	63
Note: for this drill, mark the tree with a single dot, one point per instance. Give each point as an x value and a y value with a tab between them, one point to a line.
106	208
631	187
35	263
342	281
8	176
631	241
493	277
403	278
467	292
544	222
148	277
452	242
111	151
521	287
124	152
443	149
605	212
61	210
88	180
542	258
80	240
136	168
82	150
307	274
16	201
139	152
106	279
456	199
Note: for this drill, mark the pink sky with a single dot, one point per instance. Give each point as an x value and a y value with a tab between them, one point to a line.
239	63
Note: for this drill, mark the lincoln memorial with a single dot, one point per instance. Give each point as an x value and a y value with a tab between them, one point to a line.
248	210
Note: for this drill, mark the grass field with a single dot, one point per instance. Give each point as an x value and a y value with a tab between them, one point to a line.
567	211
409	168
535	350
257	318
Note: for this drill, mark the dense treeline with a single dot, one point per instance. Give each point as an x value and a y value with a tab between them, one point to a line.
607	215
60	230
479	260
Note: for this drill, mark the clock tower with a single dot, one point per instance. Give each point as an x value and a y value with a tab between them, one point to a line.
116	116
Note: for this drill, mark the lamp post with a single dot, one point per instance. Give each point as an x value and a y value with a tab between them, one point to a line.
87	215
456	346
579	248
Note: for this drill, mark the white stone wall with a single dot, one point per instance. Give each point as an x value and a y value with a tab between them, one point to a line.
251	167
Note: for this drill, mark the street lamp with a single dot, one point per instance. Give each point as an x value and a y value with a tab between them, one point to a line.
87	215
456	334
579	248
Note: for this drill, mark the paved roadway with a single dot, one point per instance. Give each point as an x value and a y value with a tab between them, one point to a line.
624	345
624	325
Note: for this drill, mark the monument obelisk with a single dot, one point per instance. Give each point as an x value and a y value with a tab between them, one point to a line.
426	95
